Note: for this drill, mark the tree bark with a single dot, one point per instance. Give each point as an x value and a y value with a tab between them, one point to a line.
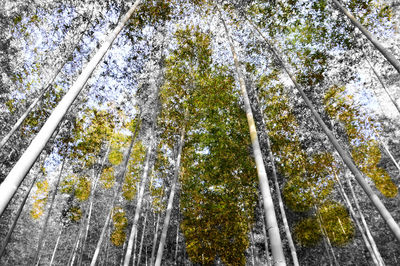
170	200
21	168
347	159
265	234
273	229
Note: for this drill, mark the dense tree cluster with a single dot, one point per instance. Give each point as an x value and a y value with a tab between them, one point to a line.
173	132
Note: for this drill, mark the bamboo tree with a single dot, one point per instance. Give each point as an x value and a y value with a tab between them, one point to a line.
21	168
347	159
91	198
273	229
375	256
153	250
364	222
389	56
142	237
43	231
381	82
44	90
18	214
116	191
171	198
176	243
143	182
55	247
265	234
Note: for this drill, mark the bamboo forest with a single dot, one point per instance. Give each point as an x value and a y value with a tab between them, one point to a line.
199	132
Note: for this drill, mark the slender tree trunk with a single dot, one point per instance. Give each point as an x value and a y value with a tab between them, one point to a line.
326	238
170	200
92	192
75	247
18	214
153	250
123	252
273	229
119	180
43	231
55	247
374	256
253	251
135	239
381	82
265	234
176	244
387	150
142	238
145	174
364	222
389	56
347	159
45	89
21	168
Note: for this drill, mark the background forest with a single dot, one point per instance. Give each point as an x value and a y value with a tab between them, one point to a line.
172	132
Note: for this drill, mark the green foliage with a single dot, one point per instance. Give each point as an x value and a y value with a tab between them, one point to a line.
337	223
82	189
40	199
107	177
364	149
74	213
308	232
133	172
218	176
118	236
79	186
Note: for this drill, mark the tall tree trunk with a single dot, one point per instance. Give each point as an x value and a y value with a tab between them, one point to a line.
18	214
53	255
389	56
273	229
265	234
45	89
43	231
385	147
21	168
381	81
155	238
252	246
91	198
170	200
143	182
142	238
347	159
75	247
326	238
282	208
374	256
117	187
364	222
176	243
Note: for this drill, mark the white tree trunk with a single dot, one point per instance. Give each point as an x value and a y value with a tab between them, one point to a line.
21	168
273	229
170	201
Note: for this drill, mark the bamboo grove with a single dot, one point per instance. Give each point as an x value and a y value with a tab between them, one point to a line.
171	132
